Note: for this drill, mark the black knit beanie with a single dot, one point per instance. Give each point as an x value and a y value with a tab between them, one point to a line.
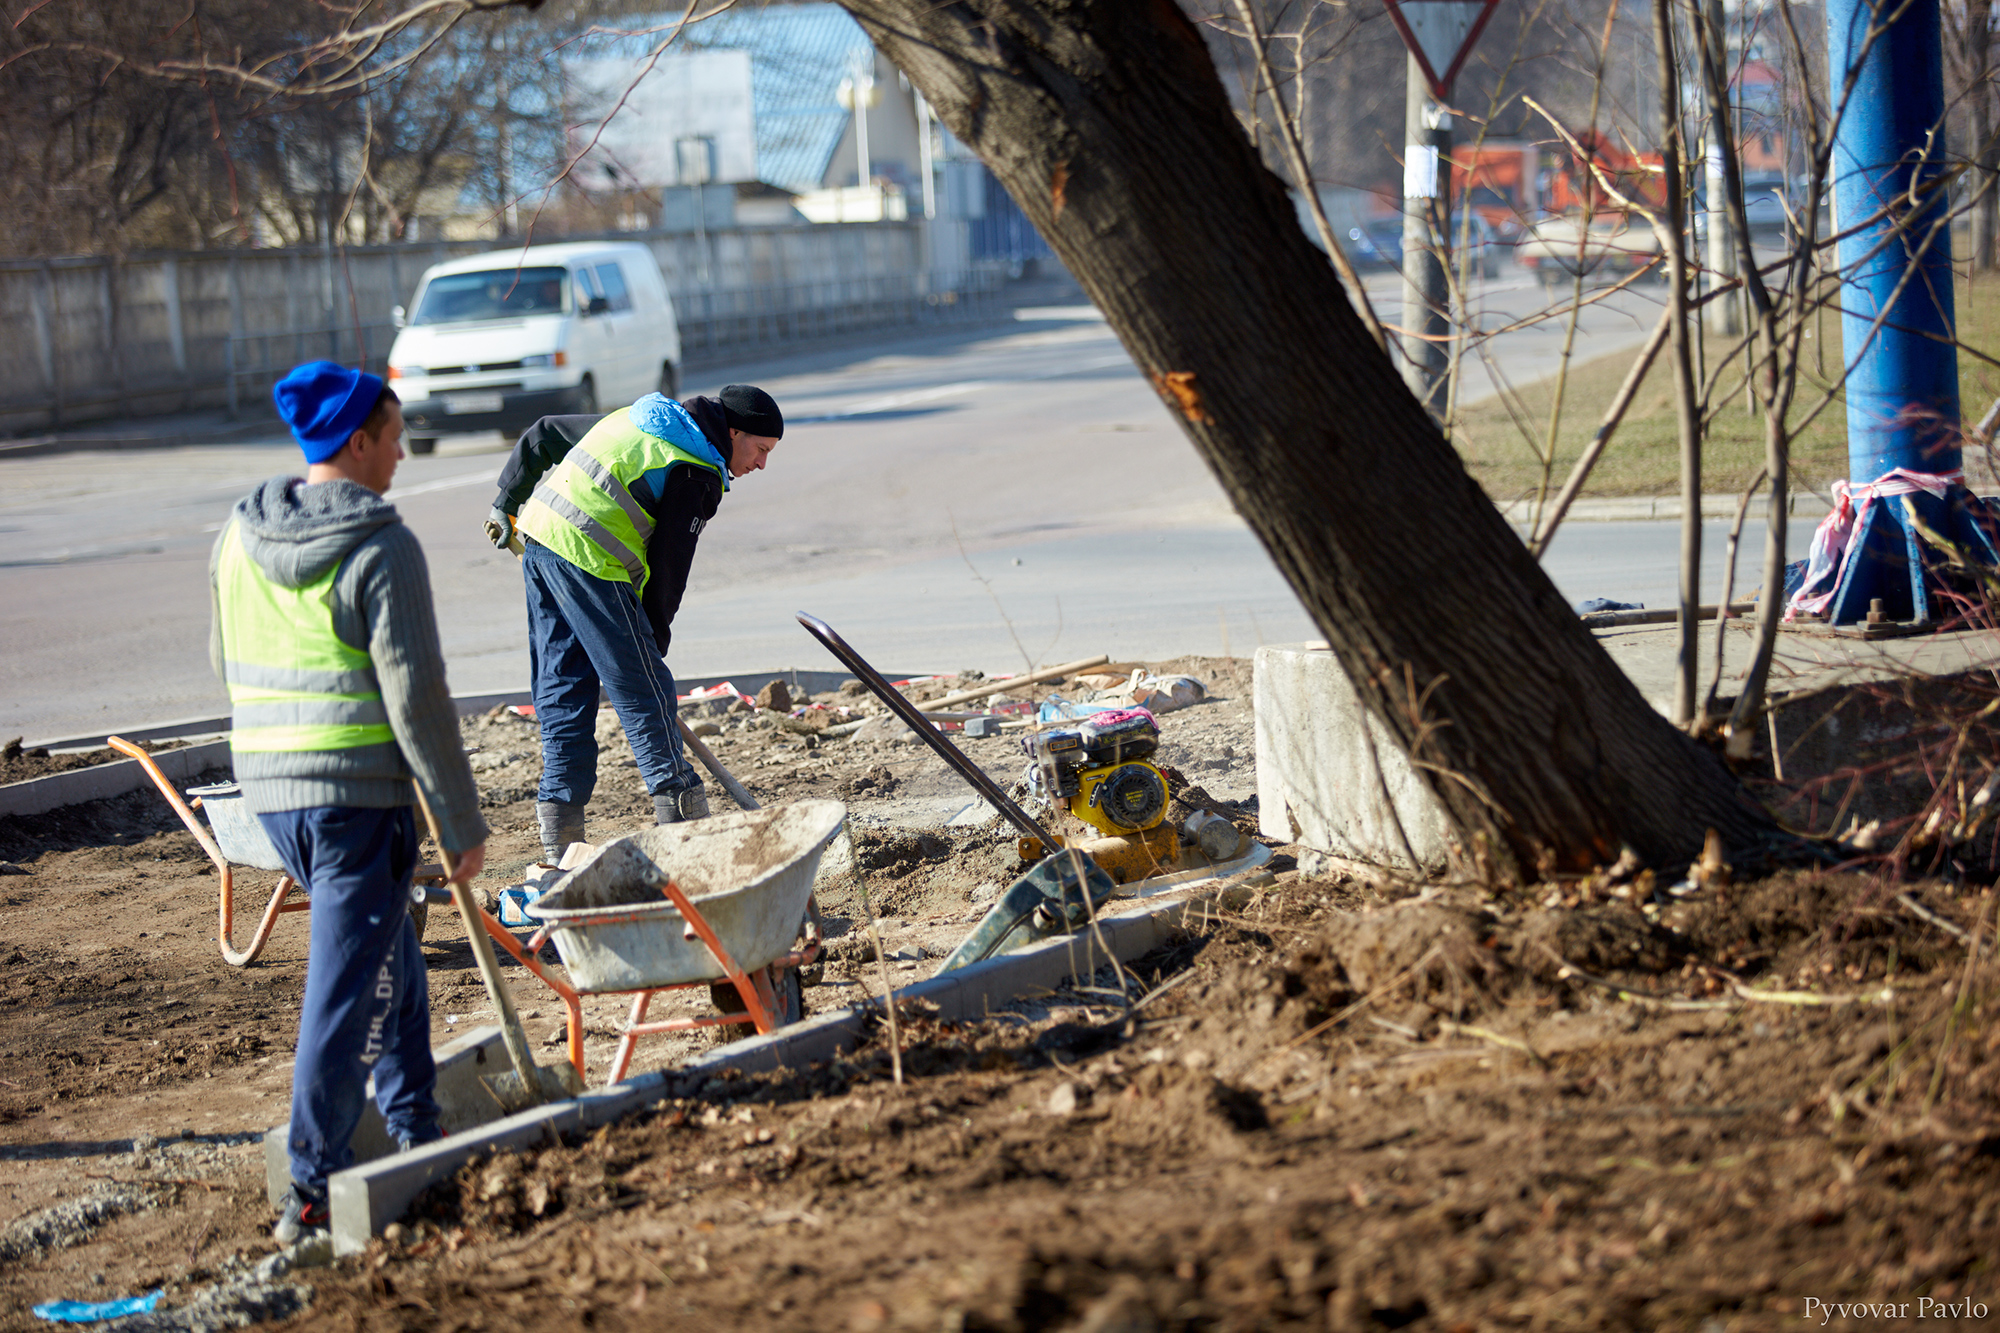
752	411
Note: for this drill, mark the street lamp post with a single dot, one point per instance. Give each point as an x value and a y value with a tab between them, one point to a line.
1897	316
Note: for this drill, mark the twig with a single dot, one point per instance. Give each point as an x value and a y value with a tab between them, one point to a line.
1958	1003
1484	1034
1804	998
881	959
1160	990
1923	913
1729	586
1580	472
1295	157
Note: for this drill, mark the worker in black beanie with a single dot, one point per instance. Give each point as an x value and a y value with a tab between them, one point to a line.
605	513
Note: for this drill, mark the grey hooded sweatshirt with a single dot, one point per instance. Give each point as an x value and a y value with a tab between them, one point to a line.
381	605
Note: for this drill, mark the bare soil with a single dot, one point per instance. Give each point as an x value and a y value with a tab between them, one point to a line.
20	765
1355	1104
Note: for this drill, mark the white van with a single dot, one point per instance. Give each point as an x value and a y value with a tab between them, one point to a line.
498	341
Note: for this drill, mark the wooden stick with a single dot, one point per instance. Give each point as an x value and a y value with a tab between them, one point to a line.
996	686
511	1035
737	791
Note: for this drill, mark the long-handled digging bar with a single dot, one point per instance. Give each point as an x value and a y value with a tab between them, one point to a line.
695	746
1060	894
529	1084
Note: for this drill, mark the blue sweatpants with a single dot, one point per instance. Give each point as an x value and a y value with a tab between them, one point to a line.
584	632
367	1005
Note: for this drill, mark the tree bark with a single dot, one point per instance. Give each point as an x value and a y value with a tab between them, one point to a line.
1107	122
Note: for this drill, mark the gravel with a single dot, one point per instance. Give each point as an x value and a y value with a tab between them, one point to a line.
71	1222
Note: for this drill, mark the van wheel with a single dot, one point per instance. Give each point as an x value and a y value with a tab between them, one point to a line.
586	397
423	444
670	380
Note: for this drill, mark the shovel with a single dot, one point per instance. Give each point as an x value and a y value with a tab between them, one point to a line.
528	1084
1063	890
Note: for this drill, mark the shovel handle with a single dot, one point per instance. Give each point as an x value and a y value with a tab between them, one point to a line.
695	746
921	725
515	1040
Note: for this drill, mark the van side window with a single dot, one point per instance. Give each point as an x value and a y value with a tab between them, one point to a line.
613	282
587	280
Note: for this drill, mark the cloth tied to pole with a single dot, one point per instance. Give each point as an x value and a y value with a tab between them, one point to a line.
1832	544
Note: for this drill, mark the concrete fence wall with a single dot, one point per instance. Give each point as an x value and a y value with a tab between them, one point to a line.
98	336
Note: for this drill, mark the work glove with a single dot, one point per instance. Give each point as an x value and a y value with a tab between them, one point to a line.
500	531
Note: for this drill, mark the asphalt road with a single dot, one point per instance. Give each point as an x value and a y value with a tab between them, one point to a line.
949	498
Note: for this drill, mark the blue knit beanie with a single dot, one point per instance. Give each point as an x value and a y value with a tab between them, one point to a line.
325	404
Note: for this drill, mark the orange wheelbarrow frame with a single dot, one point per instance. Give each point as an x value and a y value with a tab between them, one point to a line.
281	903
761	1004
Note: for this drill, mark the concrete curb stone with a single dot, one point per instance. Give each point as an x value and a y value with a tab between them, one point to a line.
1662	508
38	796
366	1198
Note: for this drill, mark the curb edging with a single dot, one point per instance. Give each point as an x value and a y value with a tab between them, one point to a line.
366	1198
38	796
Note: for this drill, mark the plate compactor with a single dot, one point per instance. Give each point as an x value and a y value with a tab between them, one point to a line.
1097	767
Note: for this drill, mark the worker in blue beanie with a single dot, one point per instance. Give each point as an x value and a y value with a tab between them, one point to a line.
606	512
324	632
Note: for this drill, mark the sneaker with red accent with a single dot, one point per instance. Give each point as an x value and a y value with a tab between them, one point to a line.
303	1212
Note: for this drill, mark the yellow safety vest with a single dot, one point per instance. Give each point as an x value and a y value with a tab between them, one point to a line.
583	509
293	684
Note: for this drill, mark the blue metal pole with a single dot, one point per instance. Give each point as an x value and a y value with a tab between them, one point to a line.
1902	382
1902	385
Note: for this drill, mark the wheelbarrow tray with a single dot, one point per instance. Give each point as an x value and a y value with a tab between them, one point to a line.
748	873
238	832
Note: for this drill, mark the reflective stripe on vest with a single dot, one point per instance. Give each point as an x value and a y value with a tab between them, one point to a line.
293	684
584	509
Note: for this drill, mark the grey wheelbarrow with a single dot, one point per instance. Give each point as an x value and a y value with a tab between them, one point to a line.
724	902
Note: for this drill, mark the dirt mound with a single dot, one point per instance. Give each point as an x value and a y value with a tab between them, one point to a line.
1609	940
1320	1108
114	822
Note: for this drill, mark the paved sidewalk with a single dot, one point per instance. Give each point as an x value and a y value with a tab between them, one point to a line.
1629	508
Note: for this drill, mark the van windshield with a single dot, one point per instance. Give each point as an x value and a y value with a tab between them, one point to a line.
502	293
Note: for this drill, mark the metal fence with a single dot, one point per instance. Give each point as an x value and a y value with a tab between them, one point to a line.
101	337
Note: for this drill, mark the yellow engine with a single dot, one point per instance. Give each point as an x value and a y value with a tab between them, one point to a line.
1099	769
1121	798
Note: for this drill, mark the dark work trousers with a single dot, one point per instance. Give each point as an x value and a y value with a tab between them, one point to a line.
584	631
367	1007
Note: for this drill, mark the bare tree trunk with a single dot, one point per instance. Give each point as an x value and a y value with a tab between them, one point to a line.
1108	124
1986	202
1687	407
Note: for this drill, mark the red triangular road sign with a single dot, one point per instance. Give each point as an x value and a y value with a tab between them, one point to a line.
1440	34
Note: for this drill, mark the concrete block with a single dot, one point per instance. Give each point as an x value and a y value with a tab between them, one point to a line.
1329	777
463	1103
366	1198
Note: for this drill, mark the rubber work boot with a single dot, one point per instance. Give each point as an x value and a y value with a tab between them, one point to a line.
678	804
561	824
302	1213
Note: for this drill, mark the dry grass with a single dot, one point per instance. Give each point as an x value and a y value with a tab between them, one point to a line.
1644	457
